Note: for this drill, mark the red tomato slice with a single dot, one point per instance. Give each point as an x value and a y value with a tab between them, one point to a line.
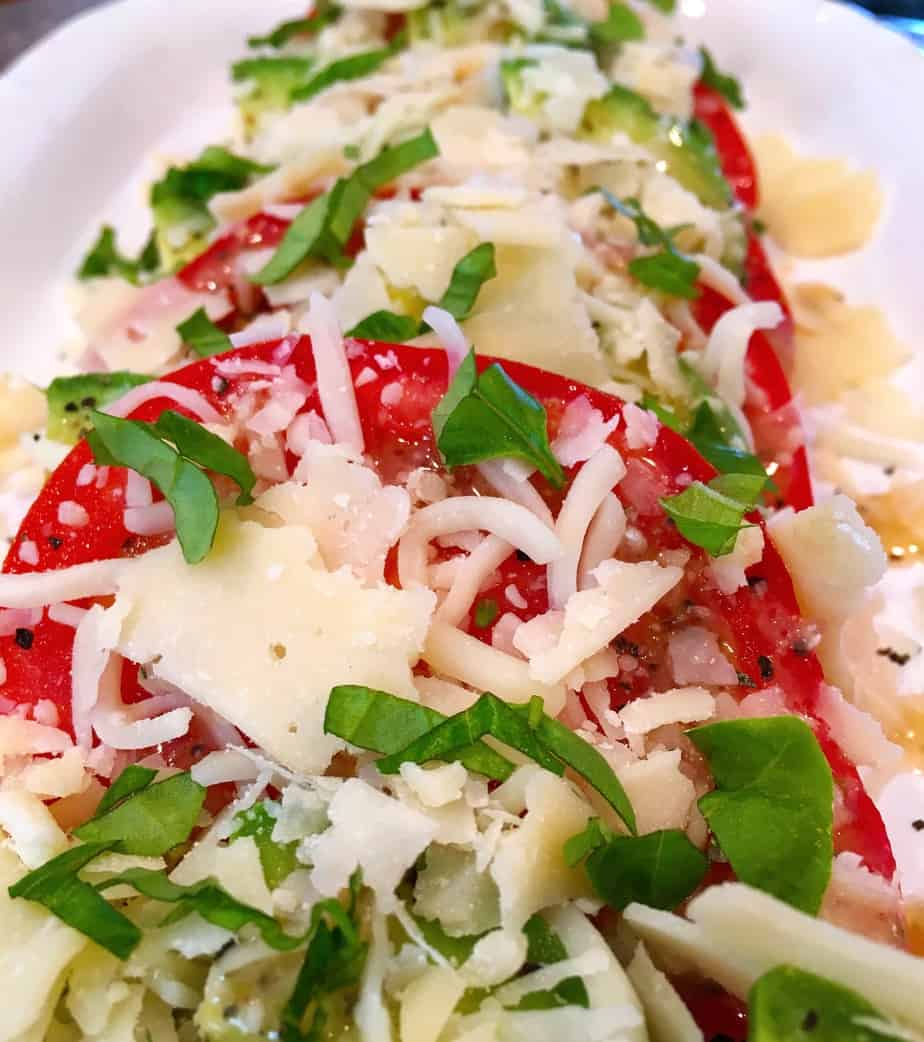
735	157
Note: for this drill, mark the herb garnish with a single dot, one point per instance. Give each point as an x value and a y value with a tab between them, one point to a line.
711	515
105	259
201	334
727	86
72	399
277	860
323	15
621	25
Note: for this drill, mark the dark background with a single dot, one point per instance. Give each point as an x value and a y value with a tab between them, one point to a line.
22	22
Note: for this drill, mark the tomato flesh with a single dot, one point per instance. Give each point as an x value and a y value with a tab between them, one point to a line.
735	157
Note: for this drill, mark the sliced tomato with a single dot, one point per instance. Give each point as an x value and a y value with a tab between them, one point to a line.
737	162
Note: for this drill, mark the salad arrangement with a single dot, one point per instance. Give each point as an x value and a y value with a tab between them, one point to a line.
429	632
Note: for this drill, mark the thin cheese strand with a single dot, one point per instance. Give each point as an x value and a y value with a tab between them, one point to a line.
480	563
335	382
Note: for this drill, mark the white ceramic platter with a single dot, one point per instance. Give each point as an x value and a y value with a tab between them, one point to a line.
86	114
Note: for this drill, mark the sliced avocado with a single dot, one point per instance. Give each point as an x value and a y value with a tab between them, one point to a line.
272	80
71	399
687	149
523	99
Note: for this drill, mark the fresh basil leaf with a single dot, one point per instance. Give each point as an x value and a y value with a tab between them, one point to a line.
324	227
334	960
105	259
186	487
742	486
666	6
131	781
199	445
352	68
385	724
488	416
544	948
621	25
710	439
668	272
595	835
584	760
151	820
727	86
386	326
57	887
208	900
706	517
203	336
468	276
71	400
488	716
486	611
270	82
790	1005
660	869
277	860
772	807
323	15
665	413
456	949
570	992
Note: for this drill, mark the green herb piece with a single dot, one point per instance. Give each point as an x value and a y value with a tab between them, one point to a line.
666	413
131	781
666	6
207	899
668	270
707	517
522	98
203	336
621	25
186	487
323	15
334	960
579	846
179	200
151	820
386	326
270	83
727	86
385	724
545	948
278	860
791	1005
57	887
468	276
104	259
486	611
324	227
772	807
455	949
712	442
660	869
544	740
488	416
352	68
72	399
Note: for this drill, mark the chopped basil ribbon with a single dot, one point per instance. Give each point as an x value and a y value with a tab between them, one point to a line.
545	948
179	200
712	442
711	516
334	960
620	25
324	14
57	887
468	276
727	86
488	416
352	68
660	869
71	400
104	259
668	270
208	900
364	718
177	472
277	860
384	723
203	336
324	227
772	807
133	779
667	6
147	819
271	81
486	611
791	1005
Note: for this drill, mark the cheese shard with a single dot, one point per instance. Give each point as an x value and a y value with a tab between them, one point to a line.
260	633
35	949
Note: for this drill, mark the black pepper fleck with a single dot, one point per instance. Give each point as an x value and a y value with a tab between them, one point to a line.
521	556
24	638
888	471
898	657
745	681
220	385
89	402
765	666
627	647
918	824
54	542
810	1021
71	407
755	580
36	437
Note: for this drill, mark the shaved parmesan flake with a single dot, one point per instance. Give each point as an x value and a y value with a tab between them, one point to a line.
680	705
668	1018
642	427
596	616
662	74
417	257
560	83
264	655
696	658
581	432
857	733
371	831
661	794
56	778
34	834
723	359
20	737
428	1002
96	636
335	382
729	571
496	957
236	867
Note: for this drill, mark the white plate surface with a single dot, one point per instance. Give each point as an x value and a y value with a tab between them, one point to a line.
86	114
